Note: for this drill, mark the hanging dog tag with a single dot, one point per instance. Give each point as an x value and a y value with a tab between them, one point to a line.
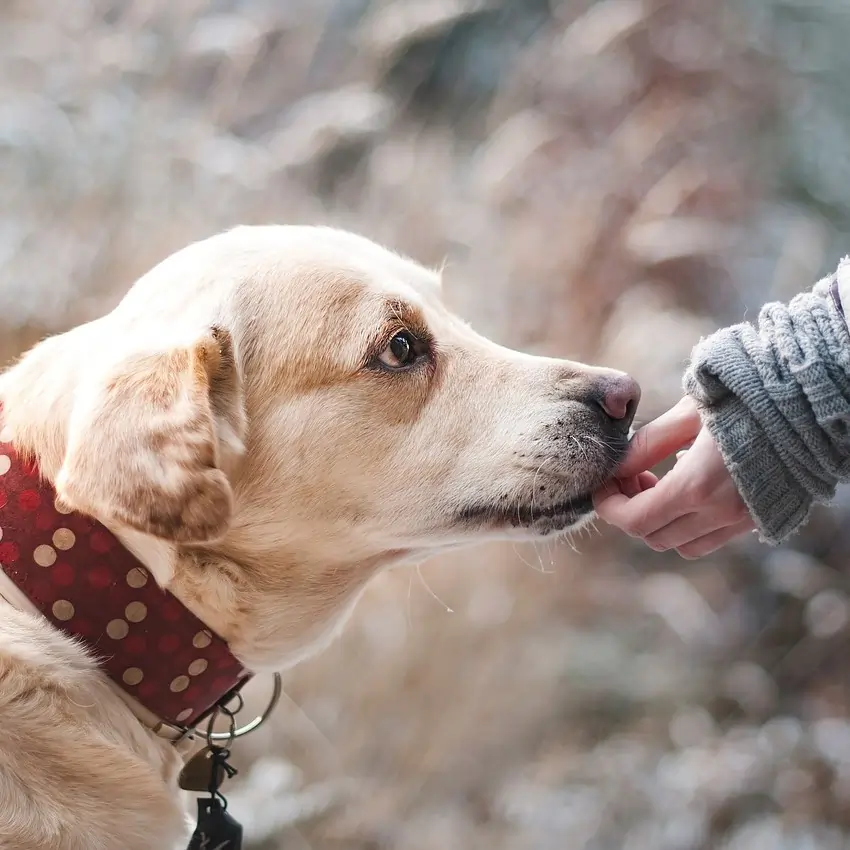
202	771
216	829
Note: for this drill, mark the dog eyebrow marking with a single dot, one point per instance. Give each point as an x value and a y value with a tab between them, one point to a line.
399	315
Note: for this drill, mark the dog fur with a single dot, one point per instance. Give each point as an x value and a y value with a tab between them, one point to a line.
241	422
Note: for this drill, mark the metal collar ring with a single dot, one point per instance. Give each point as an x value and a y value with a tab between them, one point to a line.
232	734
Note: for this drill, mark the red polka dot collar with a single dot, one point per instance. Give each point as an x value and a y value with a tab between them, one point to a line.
87	584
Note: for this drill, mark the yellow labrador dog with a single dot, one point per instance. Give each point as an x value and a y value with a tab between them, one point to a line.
268	418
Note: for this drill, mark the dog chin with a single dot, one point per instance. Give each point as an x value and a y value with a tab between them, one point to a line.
560	524
531	520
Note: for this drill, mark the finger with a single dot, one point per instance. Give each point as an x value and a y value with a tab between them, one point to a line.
606	491
645	513
647	480
631	487
660	438
686	529
716	540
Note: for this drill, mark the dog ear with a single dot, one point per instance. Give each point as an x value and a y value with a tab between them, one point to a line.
146	440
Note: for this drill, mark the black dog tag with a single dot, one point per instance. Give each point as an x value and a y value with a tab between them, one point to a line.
216	829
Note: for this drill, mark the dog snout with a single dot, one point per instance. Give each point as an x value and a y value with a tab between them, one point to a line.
618	397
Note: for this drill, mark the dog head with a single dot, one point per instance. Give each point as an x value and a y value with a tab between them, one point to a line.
298	404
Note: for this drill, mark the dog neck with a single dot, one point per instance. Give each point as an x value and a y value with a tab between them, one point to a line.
168	665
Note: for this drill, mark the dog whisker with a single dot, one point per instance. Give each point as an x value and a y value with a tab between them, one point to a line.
449	609
526	562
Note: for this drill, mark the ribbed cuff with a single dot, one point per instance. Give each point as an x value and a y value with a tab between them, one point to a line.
777	502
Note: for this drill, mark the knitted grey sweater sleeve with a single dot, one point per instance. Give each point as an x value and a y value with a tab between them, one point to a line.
776	398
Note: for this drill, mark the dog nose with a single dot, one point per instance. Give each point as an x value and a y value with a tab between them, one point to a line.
620	397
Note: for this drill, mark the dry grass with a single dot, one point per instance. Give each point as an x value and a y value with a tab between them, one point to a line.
590	173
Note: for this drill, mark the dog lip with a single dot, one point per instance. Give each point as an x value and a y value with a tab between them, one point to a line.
571	510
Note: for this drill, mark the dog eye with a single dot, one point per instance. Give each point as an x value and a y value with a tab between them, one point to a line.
402	351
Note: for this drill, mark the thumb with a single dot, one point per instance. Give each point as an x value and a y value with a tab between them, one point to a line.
660	438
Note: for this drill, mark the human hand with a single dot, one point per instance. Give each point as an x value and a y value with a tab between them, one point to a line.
695	508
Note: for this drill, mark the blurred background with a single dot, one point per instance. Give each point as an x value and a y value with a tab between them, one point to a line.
603	180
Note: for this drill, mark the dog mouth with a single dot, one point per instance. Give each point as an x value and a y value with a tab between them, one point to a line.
540	518
567	497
